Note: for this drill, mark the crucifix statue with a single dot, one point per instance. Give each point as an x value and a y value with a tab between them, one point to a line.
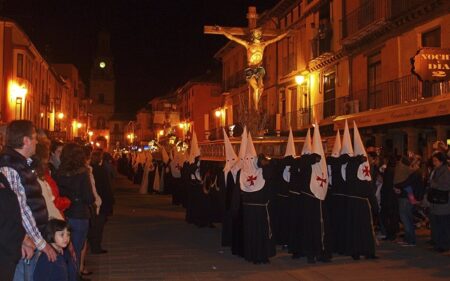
255	72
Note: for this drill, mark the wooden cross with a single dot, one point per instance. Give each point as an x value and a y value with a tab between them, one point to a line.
252	18
251	179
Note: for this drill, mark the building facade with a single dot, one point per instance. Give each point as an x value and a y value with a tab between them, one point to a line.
349	59
197	99
33	89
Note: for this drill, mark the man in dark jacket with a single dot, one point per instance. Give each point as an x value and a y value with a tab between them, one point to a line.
12	233
15	166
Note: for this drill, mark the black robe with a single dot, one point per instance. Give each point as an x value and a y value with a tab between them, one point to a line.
337	203
187	187
315	238
200	204
362	203
280	204
139	173
299	181
215	195
389	214
232	230
258	243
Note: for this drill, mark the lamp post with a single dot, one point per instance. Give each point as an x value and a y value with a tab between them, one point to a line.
60	117
18	94
302	82
130	129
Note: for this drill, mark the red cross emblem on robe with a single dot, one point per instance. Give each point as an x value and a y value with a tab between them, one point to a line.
178	167
366	171
321	180
251	179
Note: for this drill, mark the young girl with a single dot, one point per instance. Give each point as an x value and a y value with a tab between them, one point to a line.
64	268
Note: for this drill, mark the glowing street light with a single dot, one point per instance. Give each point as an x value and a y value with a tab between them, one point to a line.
60	115
218	113
161	132
299	79
90	133
79	125
18	91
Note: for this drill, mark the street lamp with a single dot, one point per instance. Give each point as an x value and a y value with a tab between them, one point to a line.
60	115
299	79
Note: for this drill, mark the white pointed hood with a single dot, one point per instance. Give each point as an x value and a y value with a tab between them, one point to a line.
290	151
251	178
195	150
231	159
307	145
364	168
164	155
148	166
337	146
156	184
176	164
319	174
290	147
346	147
243	147
336	152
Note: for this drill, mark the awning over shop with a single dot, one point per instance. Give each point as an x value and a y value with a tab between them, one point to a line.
432	107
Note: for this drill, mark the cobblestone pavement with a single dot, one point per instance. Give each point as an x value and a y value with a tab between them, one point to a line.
148	239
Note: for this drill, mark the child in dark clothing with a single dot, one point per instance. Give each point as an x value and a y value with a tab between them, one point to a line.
64	268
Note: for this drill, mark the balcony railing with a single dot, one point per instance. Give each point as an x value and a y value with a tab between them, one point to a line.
366	14
399	91
375	13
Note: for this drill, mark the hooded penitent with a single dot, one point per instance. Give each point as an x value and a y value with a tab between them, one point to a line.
290	151
164	155
148	167
231	163
156	183
319	175
307	145
176	164
346	148
243	147
195	150
336	152
251	178
364	168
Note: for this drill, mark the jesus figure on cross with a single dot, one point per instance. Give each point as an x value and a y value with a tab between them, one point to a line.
255	72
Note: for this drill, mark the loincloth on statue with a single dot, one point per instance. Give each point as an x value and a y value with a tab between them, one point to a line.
254	72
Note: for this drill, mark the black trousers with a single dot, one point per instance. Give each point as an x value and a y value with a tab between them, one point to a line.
7	270
95	235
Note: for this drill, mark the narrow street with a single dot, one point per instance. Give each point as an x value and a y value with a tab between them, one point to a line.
147	239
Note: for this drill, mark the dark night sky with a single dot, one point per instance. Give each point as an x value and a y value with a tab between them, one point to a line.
157	45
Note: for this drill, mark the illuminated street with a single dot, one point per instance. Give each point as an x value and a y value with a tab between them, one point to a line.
148	239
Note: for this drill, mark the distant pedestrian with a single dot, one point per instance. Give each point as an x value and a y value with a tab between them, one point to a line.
438	195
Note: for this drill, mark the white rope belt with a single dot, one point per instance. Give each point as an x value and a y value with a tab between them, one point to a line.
267	212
